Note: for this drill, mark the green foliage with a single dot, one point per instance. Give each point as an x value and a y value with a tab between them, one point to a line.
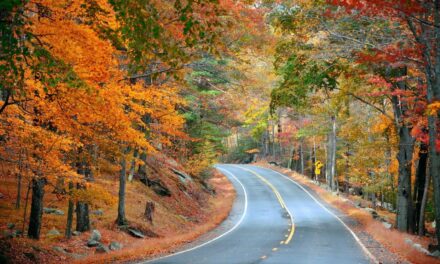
238	154
302	76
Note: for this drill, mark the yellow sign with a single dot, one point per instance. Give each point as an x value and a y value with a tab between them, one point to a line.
318	166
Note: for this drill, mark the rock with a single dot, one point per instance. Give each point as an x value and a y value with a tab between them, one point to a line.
102	249
387	225
76	233
95	235
53	232
436	254
11	225
420	248
93	243
408	241
433	225
136	233
98	212
115	245
372	212
59	249
157	186
183	177
77	256
54	211
432	247
358	204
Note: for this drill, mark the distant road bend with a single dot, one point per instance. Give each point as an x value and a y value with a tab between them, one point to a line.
278	222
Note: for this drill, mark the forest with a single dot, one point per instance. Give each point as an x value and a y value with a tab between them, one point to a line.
113	114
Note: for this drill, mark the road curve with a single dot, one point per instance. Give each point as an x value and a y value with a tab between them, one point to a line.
279	222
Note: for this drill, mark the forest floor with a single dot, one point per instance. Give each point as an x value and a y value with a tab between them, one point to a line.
387	244
190	211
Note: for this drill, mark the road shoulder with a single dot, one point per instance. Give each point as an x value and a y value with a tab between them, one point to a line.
361	222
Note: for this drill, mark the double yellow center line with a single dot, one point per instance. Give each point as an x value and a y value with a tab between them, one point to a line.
280	200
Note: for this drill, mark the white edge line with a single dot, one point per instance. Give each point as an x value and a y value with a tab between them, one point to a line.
220	236
286	207
367	252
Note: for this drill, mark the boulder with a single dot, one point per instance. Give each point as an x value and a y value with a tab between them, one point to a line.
420	248
54	211
387	225
95	235
102	249
93	243
183	177
436	254
53	232
59	249
115	245
98	212
157	186
76	233
372	212
135	233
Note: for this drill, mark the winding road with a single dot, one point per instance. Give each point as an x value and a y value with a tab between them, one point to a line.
275	220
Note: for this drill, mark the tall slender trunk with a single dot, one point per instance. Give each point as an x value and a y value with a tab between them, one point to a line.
70	209
36	208
19	177
419	186
314	176
132	165
421	225
26	201
18	199
404	200
290	163
333	180
82	214
301	156
121	220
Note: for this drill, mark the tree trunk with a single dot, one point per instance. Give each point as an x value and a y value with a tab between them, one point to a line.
419	186
132	166
121	220
314	176
404	200
421	225
301	154
36	208
26	199
70	209
333	156
18	199
82	214
434	171
142	170
290	163
149	210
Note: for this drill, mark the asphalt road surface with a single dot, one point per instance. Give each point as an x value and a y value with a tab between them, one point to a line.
277	222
